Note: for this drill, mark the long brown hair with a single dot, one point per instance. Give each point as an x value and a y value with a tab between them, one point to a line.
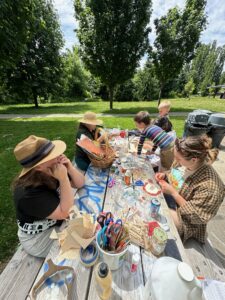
34	178
197	147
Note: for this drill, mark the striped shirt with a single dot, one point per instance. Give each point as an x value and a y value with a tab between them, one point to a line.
157	135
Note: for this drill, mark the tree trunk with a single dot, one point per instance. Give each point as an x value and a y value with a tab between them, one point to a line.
35	98
111	90
160	93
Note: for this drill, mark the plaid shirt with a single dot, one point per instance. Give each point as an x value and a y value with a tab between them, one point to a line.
204	192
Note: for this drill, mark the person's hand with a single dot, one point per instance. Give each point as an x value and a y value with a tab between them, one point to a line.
147	147
58	171
166	187
103	137
160	176
64	160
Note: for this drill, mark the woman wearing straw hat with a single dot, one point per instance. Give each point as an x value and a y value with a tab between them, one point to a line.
88	125
43	191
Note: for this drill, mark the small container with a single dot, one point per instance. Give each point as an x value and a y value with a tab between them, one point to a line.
103	277
122	133
154	207
158	241
134	263
123	168
127	177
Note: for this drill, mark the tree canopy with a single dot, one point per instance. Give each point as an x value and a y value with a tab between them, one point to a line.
177	35
16	17
113	36
38	70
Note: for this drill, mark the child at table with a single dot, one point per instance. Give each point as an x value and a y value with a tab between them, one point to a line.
158	136
163	120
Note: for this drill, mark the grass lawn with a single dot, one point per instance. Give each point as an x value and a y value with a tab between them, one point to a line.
179	104
15	130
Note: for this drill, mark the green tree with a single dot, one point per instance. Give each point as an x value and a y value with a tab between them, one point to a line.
189	88
16	18
177	35
113	36
38	71
75	77
125	91
146	84
198	65
222	78
207	67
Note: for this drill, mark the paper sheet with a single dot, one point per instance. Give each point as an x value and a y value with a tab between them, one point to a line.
213	289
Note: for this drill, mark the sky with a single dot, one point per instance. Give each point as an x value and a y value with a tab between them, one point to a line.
215	10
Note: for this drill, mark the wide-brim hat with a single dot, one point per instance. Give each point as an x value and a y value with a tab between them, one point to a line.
90	118
35	150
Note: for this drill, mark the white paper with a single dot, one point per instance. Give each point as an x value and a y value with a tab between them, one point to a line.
213	289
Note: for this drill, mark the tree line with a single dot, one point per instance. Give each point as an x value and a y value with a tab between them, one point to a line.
113	37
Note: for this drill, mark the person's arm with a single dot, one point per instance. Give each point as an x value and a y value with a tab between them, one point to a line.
203	205
59	171
140	143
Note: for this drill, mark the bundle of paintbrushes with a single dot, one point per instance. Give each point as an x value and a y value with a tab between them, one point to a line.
113	235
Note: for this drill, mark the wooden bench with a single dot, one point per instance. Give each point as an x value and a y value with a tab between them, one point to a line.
19	275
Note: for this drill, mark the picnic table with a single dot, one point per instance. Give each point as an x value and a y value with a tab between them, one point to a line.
23	270
97	196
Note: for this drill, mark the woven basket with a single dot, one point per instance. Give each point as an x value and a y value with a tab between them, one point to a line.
107	159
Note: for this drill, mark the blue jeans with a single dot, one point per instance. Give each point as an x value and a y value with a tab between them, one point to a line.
170	201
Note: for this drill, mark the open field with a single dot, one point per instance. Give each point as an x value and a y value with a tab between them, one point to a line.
178	105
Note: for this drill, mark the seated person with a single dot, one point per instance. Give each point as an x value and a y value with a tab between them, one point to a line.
158	136
43	192
195	191
163	120
88	126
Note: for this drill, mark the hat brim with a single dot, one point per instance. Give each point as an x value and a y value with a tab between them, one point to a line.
59	149
96	122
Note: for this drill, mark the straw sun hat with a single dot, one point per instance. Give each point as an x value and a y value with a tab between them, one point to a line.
90	118
35	150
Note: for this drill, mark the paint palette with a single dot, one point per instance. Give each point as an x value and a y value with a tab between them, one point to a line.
151	188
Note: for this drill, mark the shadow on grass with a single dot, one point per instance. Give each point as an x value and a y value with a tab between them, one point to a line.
81	107
45	109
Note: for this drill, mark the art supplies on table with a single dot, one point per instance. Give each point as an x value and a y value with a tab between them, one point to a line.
151	188
113	236
58	280
89	256
148	235
79	232
134	263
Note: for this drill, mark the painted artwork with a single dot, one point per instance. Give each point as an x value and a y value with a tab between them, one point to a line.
90	197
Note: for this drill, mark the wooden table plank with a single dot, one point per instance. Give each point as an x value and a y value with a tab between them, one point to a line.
21	271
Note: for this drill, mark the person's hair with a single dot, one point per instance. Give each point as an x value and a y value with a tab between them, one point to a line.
197	147
165	103
142	117
34	178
